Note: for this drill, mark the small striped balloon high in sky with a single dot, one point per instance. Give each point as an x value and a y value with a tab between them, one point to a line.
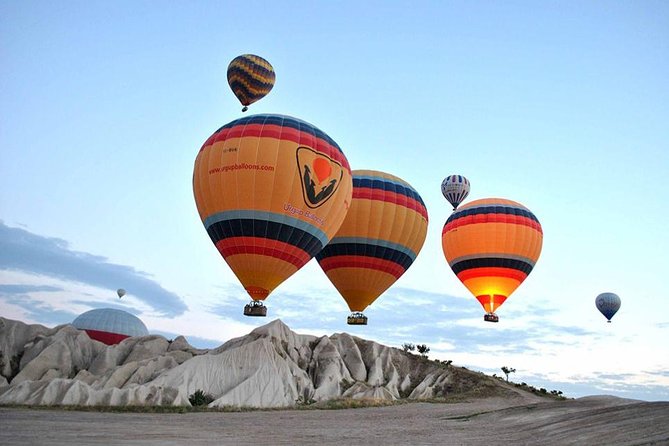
492	245
250	78
383	232
455	189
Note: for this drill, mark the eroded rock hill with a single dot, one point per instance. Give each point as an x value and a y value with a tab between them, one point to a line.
270	367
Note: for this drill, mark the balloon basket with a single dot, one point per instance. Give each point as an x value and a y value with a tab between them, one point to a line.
491	317
356	319
255	308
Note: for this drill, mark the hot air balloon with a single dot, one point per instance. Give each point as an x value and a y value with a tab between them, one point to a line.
380	238
110	325
492	245
455	189
271	191
250	77
608	304
120	292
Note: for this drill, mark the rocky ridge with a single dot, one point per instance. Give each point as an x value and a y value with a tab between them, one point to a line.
270	367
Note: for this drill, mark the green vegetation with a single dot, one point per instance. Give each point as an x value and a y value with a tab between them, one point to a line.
423	350
446	362
351	403
199	398
507	371
303	400
556	394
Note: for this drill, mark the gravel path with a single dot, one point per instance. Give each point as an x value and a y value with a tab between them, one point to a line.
585	421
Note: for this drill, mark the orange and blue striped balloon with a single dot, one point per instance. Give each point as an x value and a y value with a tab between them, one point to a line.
251	78
492	245
380	238
272	191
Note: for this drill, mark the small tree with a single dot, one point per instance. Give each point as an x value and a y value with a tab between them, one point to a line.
423	350
407	347
507	371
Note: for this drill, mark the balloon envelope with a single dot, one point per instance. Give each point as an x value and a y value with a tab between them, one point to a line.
492	245
261	201
608	304
250	78
455	189
110	325
383	232
120	292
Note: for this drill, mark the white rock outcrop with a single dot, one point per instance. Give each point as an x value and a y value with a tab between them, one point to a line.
270	367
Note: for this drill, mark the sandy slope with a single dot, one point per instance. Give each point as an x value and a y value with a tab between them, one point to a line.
494	421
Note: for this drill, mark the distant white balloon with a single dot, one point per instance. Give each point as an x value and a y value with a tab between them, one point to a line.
120	292
455	189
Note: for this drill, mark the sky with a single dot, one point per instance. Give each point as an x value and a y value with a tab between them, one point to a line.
560	105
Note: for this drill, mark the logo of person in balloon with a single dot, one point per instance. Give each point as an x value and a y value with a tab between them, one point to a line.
320	176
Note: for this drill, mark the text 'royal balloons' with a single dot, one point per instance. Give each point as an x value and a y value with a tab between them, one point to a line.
383	232
250	78
263	203
608	304
492	245
455	189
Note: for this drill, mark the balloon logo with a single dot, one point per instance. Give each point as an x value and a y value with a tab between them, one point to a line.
492	246
322	169
317	194
608	304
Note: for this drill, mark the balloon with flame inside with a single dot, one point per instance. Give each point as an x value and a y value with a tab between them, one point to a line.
492	245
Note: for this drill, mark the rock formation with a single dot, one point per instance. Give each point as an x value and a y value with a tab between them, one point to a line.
270	367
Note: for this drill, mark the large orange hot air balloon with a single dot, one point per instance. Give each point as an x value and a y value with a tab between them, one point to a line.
380	238
492	245
250	78
271	191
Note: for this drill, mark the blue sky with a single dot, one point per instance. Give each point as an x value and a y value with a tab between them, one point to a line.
562	106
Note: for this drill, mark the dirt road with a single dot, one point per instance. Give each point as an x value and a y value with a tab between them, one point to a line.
585	421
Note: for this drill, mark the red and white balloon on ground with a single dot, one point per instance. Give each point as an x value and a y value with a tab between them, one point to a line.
109	325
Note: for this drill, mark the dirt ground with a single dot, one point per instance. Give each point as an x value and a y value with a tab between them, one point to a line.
584	421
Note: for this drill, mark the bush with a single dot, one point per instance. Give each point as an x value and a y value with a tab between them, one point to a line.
304	401
199	398
423	350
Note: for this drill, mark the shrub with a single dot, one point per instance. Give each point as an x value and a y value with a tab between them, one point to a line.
304	401
199	398
423	350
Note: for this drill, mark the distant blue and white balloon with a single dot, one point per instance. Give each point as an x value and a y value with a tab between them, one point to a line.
608	304
455	189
